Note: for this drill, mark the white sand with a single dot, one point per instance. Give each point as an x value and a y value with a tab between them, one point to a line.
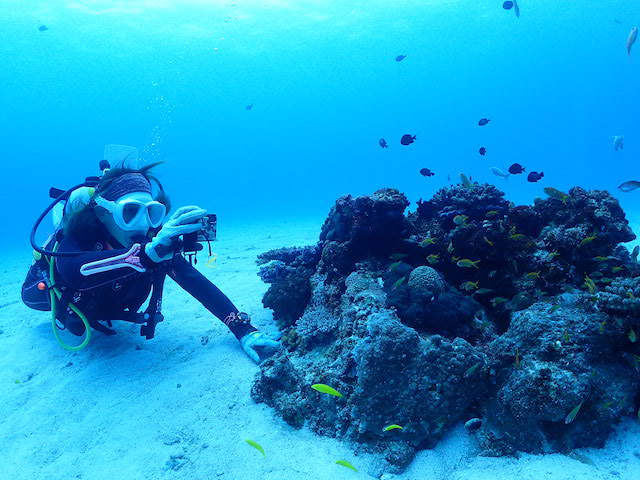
112	412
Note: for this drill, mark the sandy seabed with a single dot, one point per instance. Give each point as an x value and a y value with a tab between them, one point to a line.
179	406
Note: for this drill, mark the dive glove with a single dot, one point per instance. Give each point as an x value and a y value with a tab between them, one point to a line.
166	242
269	344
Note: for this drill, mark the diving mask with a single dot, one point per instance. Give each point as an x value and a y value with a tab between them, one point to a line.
134	215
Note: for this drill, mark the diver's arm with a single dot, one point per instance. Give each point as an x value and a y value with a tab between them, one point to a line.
208	294
71	269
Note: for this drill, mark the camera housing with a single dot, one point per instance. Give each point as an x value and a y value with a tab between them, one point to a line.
208	233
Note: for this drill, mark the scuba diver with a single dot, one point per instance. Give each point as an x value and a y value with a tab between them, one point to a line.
112	248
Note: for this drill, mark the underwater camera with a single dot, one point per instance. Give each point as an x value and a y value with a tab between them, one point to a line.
191	242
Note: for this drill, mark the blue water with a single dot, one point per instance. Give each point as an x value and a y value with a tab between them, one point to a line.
173	78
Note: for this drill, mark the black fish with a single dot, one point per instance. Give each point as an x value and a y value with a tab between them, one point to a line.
383	143
425	172
508	5
399	58
482	151
249	107
407	139
535	176
483	121
43	28
516	168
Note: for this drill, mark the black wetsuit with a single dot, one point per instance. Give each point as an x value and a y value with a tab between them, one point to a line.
114	294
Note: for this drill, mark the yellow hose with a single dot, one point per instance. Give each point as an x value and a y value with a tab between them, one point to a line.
54	292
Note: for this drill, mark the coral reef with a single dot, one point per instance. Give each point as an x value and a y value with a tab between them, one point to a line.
519	320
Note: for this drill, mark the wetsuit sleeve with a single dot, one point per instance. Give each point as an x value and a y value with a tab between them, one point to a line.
69	267
207	294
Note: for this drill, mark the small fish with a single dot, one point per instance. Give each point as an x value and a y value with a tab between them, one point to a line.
617	269
516	362
466	263
407	139
634	253
460	220
483	291
516	169
629	186
631	39
557	194
601	328
532	275
428	241
565	336
632	335
606	405
472	369
450	247
606	280
484	121
482	151
256	446
618	142
534	176
498	300
322	388
399	282
394	266
551	255
399	58
508	5
455	259
631	295
383	143
392	427
344	463
554	308
588	239
499	173
491	213
517	236
487	241
469	285
425	172
467	183
43	28
590	285
249	107
581	458
573	414
596	275
600	258
433	259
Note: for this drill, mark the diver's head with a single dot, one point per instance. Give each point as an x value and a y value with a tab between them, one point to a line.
127	209
124	204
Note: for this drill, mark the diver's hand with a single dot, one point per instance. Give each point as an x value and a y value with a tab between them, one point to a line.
184	220
256	339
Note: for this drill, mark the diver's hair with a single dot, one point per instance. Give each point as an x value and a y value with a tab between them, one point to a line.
84	225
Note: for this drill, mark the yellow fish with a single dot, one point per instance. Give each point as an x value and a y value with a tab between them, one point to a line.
517	236
466	263
491	213
489	242
573	414
344	463
557	194
600	258
632	335
532	275
588	239
617	269
590	285
427	241
256	446
469	286
552	255
433	259
460	220
399	282
322	388
394	266
391	427
498	300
